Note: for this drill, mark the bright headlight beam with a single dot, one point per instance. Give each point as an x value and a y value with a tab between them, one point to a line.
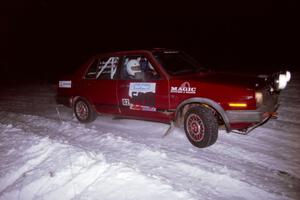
258	98
282	81
288	76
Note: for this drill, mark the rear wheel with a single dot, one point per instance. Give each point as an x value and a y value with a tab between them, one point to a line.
201	126
84	111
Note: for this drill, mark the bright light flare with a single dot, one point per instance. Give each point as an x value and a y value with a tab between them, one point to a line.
288	76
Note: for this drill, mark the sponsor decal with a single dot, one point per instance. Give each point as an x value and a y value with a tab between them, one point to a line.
184	88
65	84
143	108
142	96
135	88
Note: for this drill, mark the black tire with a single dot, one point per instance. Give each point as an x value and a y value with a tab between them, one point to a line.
201	126
84	112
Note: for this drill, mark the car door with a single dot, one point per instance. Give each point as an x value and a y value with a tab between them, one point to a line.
142	92
100	84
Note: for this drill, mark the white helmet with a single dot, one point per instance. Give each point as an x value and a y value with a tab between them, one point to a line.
133	67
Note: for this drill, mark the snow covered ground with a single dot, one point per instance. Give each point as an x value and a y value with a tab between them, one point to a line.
46	155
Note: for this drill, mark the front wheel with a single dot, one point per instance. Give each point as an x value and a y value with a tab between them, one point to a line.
201	126
84	111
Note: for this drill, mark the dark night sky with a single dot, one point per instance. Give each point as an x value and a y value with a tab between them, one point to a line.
45	38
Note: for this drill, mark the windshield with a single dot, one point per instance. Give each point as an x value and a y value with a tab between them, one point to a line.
177	63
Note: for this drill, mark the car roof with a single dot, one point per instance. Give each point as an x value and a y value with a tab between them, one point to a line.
153	50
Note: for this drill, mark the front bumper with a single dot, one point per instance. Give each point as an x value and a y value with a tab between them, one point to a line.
249	116
242	116
253	118
266	110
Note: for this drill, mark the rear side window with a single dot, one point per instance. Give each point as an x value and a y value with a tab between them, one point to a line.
103	68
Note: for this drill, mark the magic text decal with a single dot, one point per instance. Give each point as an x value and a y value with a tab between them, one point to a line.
142	96
184	88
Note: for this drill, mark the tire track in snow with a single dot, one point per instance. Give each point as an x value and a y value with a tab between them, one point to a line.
85	177
21	122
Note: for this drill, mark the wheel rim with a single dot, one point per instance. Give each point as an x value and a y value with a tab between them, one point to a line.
195	127
82	110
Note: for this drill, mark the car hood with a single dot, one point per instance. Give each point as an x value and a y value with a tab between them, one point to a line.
240	80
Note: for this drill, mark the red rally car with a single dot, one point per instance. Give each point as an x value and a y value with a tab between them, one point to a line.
169	86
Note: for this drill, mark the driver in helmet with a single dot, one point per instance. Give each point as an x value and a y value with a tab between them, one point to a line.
133	67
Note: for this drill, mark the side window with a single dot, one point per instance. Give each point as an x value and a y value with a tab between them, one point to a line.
103	68
137	68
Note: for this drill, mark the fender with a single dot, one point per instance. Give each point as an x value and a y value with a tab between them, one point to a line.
209	102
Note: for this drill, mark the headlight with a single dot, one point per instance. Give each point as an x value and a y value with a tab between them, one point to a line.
282	81
288	76
259	98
